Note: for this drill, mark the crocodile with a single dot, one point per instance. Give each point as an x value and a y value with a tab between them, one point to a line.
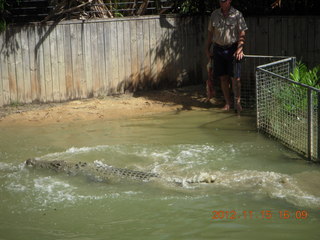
89	169
98	169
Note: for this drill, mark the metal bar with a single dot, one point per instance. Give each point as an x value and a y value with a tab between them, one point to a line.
257	100
310	125
289	80
276	62
264	56
294	61
318	137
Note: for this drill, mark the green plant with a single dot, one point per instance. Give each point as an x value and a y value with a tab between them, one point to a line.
16	104
3	25
302	74
293	98
188	7
118	14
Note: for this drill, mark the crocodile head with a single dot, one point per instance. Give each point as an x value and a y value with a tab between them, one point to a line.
31	161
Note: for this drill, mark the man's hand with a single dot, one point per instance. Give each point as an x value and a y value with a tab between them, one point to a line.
209	43
209	53
239	53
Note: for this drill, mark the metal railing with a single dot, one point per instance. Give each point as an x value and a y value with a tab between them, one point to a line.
288	110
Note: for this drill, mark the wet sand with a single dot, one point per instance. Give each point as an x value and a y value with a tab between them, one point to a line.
110	107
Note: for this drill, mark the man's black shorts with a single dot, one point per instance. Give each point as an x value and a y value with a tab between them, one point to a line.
224	62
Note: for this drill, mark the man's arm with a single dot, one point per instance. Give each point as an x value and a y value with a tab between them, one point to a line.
239	53
209	43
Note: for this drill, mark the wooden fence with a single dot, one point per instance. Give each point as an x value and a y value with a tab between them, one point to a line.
285	36
81	59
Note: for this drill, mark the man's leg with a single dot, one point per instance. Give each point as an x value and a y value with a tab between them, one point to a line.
210	89
236	85
225	86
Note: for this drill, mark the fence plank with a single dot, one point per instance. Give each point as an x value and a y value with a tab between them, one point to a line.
271	37
250	36
18	67
87	59
278	47
317	42
68	62
310	48
134	56
114	58
54	66
194	42
172	56
184	50
3	69
12	66
189	46
298	31
61	63
177	36
291	30
107	66
101	57
83	79
304	39
95	64
262	36
80	67
25	66
127	54
39	78
160	38
146	51
164	46
140	77
31	36
121	56
284	36
153	47
75	60
47	64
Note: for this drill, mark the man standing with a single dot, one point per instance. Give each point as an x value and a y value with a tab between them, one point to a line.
226	32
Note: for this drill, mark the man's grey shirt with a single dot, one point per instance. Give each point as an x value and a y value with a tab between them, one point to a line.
226	30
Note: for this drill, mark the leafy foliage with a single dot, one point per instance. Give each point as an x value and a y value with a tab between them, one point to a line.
190	7
294	98
253	7
302	74
2	20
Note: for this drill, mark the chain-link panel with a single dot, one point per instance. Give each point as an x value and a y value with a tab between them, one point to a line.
248	83
316	125
283	108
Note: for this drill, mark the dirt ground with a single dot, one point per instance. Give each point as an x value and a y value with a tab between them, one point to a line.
109	107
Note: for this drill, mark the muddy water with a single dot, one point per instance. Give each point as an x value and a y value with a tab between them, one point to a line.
259	190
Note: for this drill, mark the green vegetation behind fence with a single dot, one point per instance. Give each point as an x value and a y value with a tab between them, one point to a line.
288	110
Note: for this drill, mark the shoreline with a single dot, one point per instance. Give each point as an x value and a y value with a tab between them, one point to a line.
110	107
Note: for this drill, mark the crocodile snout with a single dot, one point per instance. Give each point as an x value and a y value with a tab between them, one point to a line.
31	162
